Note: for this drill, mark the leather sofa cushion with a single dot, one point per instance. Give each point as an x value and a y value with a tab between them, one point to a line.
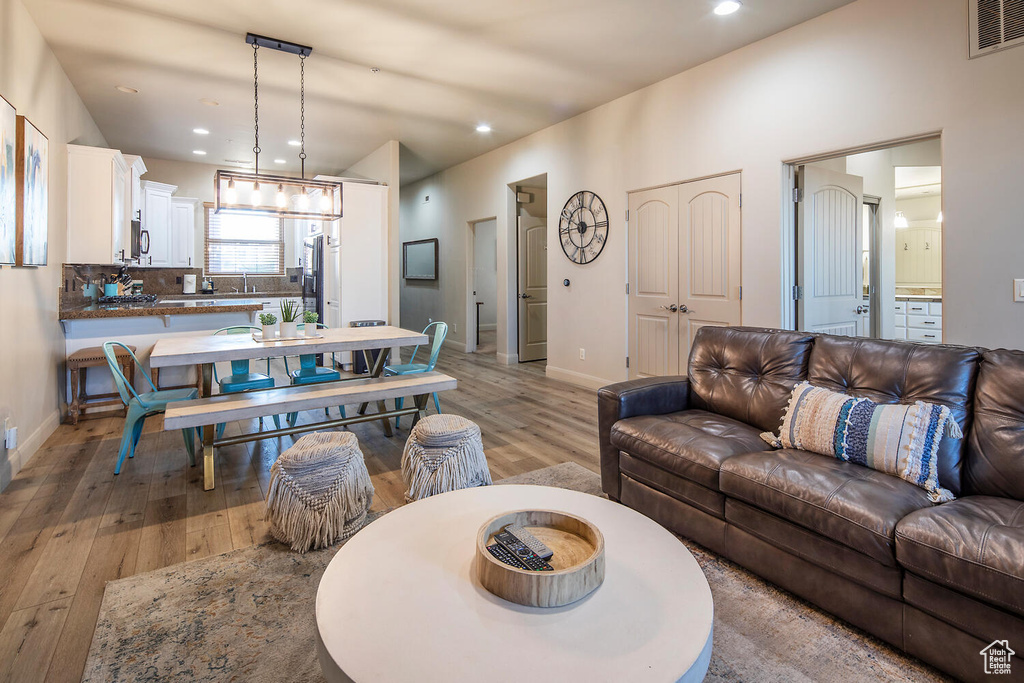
685	490
898	372
691	443
850	504
974	545
747	373
995	447
967	614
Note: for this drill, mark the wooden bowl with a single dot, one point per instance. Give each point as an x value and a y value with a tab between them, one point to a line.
578	560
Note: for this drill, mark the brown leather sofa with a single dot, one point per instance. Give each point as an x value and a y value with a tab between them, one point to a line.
939	581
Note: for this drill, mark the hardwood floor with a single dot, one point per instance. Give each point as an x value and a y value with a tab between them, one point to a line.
68	524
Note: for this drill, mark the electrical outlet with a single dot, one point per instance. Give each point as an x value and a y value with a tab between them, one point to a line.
455	327
430	320
583	354
1018	290
11	438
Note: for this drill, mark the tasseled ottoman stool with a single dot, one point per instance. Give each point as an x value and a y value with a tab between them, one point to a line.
319	491
443	453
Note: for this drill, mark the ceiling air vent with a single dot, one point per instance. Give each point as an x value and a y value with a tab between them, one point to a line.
995	25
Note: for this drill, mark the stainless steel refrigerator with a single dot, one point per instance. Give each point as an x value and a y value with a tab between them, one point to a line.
313	276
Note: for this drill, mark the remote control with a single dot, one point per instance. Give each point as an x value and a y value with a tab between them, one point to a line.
531	541
522	553
502	554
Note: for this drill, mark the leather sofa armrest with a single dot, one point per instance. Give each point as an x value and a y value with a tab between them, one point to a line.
648	396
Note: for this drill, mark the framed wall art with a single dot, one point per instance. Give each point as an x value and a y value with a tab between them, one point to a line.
8	181
32	192
420	259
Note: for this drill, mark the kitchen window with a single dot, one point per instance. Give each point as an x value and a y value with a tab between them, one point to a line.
243	243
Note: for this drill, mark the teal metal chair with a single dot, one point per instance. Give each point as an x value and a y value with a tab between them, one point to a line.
411	368
309	372
241	379
141	406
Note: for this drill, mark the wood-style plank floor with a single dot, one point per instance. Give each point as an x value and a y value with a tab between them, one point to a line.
68	524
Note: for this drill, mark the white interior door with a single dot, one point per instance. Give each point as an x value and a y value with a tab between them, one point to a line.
829	260
710	257
533	289
653	282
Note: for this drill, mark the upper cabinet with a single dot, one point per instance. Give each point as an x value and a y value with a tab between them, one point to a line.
156	224
183	232
99	224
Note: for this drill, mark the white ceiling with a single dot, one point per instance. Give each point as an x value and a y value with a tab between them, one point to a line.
913	182
445	65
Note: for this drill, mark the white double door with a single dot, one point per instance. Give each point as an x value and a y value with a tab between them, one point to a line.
684	270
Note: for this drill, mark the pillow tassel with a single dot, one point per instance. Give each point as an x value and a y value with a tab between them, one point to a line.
771	439
953	430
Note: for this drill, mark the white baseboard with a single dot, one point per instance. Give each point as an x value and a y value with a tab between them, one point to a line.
577	378
508	358
456	345
487	327
13	461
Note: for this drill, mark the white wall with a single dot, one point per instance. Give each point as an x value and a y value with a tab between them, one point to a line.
833	83
485	271
31	366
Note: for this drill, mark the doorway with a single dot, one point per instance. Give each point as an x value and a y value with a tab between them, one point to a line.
483	270
684	269
532	268
868	243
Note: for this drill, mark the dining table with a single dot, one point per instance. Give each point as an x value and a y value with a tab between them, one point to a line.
206	349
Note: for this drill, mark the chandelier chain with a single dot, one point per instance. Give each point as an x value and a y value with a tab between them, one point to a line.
302	112
256	102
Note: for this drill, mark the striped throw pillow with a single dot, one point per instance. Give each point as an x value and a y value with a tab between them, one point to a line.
900	439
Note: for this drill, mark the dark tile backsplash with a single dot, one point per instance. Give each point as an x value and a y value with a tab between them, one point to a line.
167	282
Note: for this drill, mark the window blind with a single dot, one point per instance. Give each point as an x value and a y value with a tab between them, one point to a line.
243	243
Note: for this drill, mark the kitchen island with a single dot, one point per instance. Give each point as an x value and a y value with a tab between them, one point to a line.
142	324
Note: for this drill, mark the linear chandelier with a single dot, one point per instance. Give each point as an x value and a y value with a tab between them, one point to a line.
277	195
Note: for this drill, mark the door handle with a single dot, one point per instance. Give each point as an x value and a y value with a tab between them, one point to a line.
525	296
144	235
684	309
862	310
673	308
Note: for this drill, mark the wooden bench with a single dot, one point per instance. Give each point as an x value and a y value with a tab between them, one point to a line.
207	412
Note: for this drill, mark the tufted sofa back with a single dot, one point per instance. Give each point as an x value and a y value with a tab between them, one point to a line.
747	373
995	447
898	372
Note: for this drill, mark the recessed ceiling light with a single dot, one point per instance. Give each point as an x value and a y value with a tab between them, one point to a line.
727	7
126	89
483	128
279	161
199	152
294	143
210	103
200	131
375	69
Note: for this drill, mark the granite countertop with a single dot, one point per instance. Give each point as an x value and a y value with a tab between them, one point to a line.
919	297
233	295
136	310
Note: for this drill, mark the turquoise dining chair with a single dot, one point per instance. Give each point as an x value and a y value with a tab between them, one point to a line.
141	406
241	379
411	368
309	372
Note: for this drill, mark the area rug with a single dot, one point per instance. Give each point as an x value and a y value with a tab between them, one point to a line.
247	615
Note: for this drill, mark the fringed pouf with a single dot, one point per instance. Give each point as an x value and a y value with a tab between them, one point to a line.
443	453
319	491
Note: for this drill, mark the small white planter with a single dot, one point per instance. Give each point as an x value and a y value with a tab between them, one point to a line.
311	329
289	330
269	331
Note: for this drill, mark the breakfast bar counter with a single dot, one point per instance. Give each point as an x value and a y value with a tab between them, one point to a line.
160	308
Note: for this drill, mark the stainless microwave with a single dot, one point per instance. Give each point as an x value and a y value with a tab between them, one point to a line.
139	241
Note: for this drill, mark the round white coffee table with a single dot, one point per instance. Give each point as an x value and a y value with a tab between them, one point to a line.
399	602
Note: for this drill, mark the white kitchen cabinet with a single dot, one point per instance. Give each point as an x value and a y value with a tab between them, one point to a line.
156	224
98	226
183	232
136	169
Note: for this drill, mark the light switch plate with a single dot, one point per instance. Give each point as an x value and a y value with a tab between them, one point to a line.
1018	290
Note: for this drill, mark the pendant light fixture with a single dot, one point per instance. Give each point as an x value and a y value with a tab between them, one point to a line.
275	195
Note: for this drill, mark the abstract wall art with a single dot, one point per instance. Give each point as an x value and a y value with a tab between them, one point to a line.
33	175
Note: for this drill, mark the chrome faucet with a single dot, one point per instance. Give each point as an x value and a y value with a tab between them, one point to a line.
245	287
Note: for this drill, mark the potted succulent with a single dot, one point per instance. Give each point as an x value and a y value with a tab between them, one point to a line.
268	320
289	319
310	319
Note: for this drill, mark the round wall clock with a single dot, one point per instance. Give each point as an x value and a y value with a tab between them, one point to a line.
583	227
